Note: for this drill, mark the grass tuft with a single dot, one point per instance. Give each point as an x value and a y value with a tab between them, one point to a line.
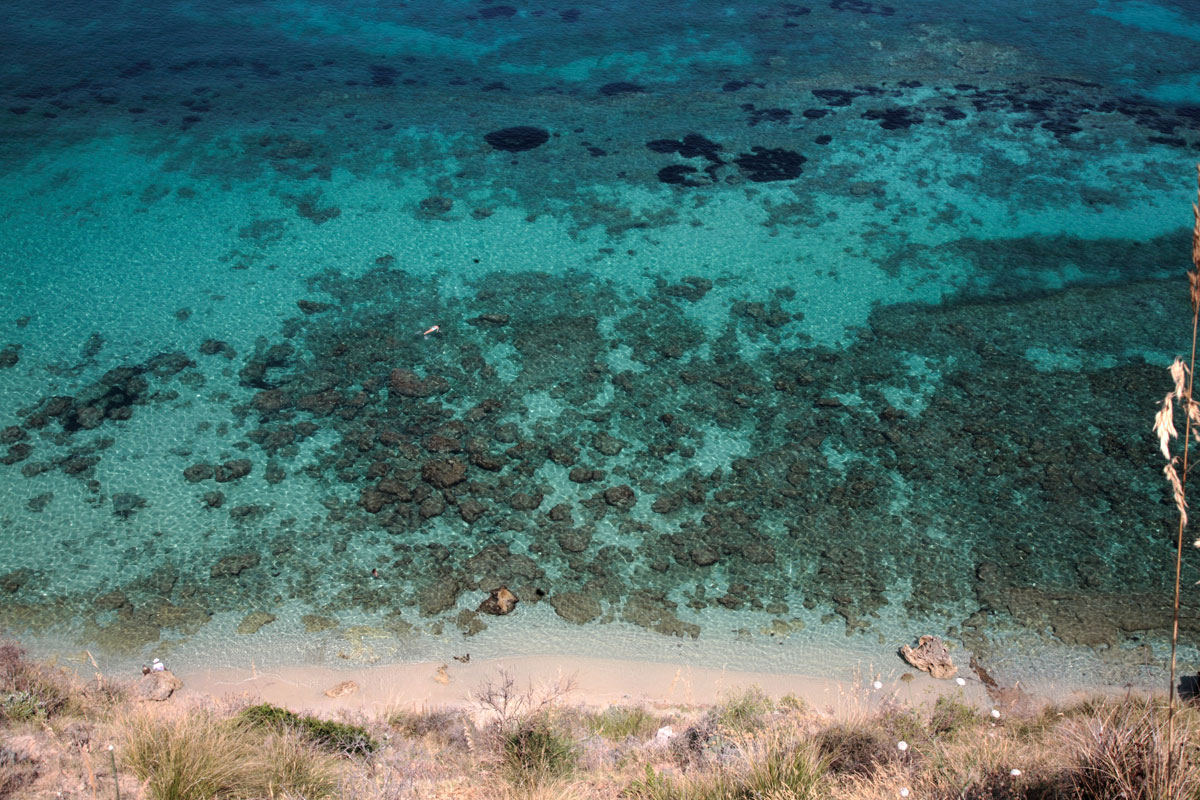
742	711
951	715
197	756
1124	751
768	768
537	750
620	723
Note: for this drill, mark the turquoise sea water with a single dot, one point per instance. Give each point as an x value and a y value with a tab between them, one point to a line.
764	330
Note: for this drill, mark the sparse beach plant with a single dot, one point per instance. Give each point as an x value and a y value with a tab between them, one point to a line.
858	748
524	733
950	715
536	750
618	723
442	727
29	690
743	710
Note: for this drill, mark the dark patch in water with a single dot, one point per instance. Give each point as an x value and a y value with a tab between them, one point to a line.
518	138
764	164
620	87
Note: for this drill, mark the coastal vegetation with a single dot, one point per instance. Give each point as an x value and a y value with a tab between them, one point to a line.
63	736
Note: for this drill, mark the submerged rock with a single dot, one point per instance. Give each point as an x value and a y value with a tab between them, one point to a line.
575	607
518	138
408	384
232	470
314	623
231	566
254	621
125	504
621	497
444	474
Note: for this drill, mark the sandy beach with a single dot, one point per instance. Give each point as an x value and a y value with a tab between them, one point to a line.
595	682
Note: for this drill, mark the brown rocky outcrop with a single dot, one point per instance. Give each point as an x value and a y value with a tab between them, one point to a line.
930	655
499	602
156	685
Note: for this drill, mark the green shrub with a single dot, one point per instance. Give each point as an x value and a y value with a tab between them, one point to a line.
743	711
618	723
536	750
335	737
29	691
793	704
950	715
856	749
22	707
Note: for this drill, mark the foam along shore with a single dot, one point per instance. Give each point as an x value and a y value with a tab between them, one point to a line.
595	682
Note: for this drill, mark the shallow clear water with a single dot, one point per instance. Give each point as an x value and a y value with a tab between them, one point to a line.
763	327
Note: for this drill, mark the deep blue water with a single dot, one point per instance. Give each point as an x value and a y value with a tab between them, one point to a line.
757	323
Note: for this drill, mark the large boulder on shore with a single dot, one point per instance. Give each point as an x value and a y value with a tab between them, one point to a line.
930	655
156	685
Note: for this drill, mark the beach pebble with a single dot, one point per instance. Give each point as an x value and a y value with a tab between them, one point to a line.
342	689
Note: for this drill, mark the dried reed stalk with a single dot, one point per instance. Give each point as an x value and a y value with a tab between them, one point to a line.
1183	376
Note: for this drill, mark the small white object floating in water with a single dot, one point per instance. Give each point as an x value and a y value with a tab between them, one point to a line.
433	330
